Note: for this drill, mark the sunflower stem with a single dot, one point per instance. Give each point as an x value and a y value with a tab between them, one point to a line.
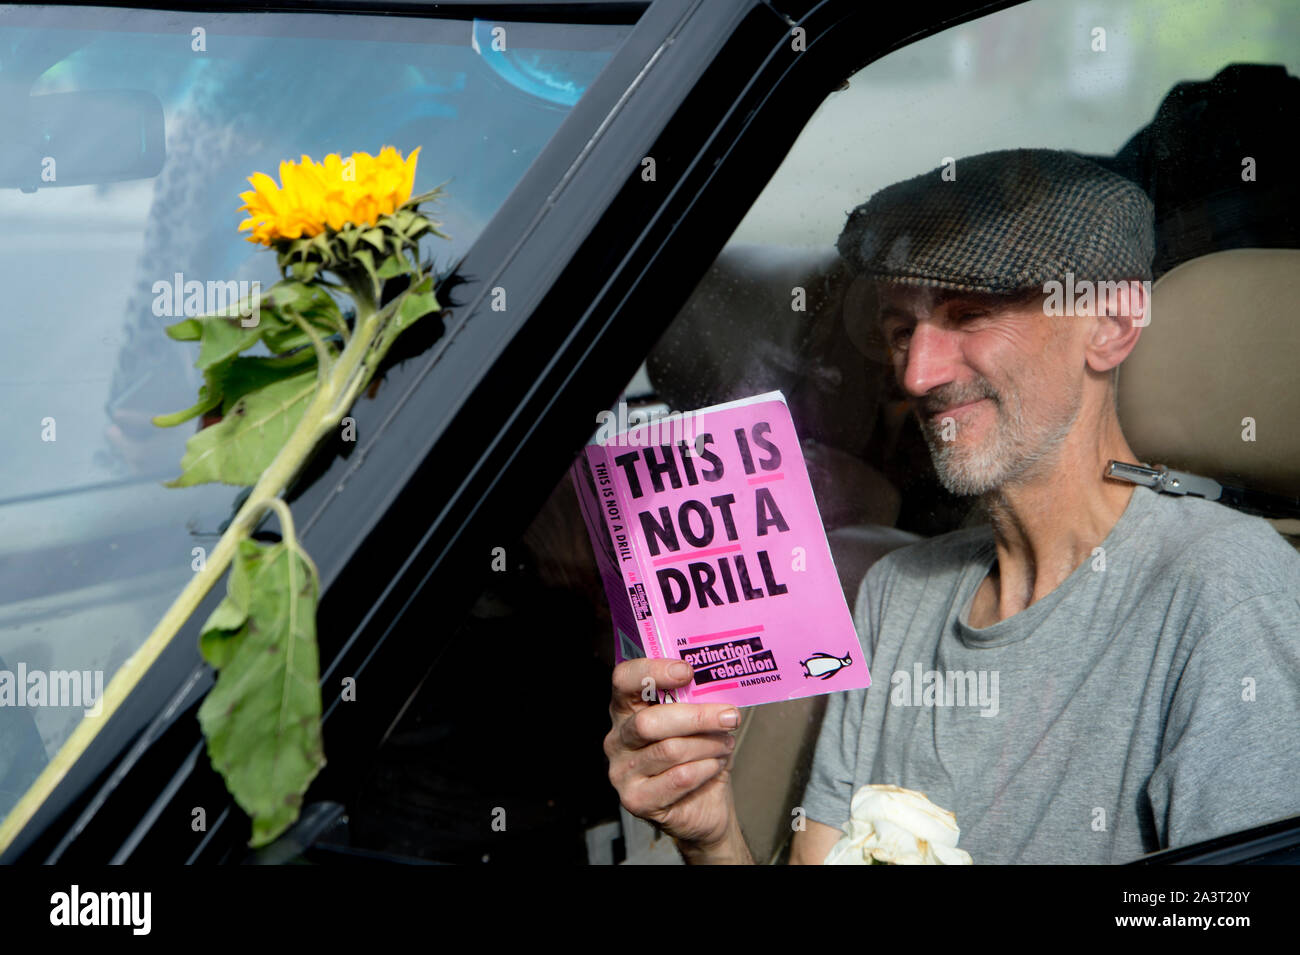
346	377
338	383
323	359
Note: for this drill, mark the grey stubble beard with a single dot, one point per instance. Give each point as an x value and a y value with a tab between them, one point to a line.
1014	450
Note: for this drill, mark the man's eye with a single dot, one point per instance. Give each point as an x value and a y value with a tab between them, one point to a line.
970	315
899	337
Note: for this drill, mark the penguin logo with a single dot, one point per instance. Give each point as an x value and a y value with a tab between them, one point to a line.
824	665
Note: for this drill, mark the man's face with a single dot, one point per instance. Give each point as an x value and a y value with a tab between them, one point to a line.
996	384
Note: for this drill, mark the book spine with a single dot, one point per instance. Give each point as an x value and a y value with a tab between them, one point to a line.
595	489
637	580
618	525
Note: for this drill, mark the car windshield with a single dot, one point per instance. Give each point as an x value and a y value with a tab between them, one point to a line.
129	136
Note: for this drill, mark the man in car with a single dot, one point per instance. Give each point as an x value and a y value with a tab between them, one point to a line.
1145	648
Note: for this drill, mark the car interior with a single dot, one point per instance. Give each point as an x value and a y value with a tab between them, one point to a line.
1165	399
1218	349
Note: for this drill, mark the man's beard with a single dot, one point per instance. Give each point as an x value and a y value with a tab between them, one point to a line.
1012	450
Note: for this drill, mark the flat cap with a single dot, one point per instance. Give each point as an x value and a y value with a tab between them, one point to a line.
1007	222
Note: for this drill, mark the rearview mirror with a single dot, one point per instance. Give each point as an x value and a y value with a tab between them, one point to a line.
78	139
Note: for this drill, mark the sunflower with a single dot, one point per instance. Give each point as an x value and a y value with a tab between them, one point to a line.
312	197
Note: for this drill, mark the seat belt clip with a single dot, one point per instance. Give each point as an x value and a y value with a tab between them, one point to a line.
1161	478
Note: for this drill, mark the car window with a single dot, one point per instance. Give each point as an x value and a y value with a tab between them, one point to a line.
1088	77
1084	77
103	201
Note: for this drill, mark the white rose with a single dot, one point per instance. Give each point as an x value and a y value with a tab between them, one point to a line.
889	824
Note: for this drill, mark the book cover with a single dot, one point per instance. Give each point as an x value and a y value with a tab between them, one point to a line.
712	551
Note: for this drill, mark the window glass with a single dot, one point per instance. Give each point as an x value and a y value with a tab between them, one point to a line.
1027	76
92	547
1089	77
1080	76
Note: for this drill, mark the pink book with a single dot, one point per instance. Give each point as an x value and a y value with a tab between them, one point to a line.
712	551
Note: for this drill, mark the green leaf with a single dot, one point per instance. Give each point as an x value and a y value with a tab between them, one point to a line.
262	718
393	266
283	334
416	303
298	248
245	374
208	399
223	338
376	238
367	260
292	294
312	303
286	254
224	630
186	330
418	228
437	192
227	382
309	301
320	243
286	338
219	336
239	447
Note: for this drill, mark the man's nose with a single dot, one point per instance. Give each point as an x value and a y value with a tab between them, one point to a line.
933	358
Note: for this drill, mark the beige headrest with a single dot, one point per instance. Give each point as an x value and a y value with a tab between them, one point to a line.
1223	345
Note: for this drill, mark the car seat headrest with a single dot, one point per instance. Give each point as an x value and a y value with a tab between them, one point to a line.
1210	387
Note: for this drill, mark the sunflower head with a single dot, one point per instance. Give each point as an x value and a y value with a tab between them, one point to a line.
314	197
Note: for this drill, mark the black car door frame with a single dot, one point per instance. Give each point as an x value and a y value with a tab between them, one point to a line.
462	442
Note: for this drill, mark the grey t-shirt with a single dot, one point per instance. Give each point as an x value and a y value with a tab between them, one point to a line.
1151	700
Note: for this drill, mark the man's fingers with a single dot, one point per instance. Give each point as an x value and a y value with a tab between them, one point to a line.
637	682
664	755
655	794
654	723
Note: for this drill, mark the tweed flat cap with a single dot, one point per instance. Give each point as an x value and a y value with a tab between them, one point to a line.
1009	221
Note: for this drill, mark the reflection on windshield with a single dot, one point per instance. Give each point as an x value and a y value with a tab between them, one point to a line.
92	547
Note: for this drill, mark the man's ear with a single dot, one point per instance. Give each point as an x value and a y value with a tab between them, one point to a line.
1123	310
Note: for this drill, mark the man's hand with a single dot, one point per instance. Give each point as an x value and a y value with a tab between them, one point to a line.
671	762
